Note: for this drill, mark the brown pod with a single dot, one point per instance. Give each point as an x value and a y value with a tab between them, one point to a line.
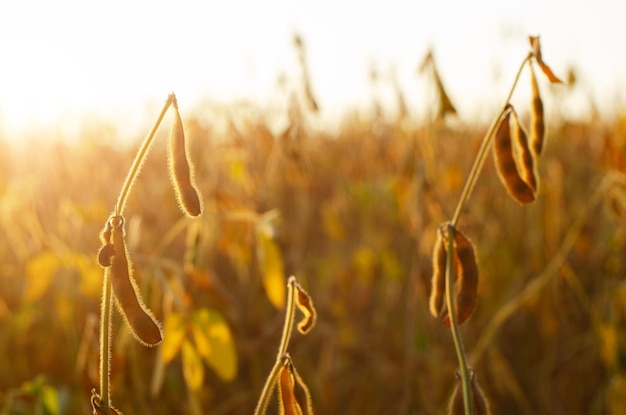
142	323
438	280
527	158
505	163
286	397
466	268
294	397
181	171
480	404
302	394
537	122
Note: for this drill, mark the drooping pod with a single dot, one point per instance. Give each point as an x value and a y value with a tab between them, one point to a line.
294	397
537	121
466	271
139	318
465	276
526	156
438	280
505	163
181	170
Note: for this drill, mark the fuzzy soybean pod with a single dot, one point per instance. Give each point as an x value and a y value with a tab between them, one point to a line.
438	280
181	171
506	166
537	122
141	322
527	158
466	271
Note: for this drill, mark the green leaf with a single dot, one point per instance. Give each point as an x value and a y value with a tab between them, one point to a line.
214	343
50	400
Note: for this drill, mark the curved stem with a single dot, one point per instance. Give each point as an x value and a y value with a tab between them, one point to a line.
454	326
484	147
140	157
467	190
290	313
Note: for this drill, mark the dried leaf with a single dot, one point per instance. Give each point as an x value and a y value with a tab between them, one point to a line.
305	305
535	45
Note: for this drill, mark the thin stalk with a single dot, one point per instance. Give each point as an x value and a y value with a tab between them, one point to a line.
467	190
484	147
454	326
533	288
107	295
105	348
140	157
282	349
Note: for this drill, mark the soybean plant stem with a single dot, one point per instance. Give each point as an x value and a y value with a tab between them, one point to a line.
454	326
105	333
105	323
140	157
484	147
467	190
282	349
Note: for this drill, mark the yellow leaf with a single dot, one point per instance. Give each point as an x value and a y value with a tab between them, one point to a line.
90	273
39	273
273	270
214	343
173	335
193	371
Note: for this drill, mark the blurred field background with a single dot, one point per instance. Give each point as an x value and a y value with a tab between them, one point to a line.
349	206
353	214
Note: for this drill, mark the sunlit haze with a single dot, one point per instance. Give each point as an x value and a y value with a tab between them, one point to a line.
116	61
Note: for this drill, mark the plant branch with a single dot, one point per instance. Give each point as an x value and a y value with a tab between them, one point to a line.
140	157
282	349
484	147
454	326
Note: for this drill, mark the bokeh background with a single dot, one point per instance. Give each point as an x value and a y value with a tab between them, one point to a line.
324	149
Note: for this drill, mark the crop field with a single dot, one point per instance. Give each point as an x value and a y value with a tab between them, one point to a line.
354	215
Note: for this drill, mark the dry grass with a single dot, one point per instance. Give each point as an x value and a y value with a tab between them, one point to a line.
359	213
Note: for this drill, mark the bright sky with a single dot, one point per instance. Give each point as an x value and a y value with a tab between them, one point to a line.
118	60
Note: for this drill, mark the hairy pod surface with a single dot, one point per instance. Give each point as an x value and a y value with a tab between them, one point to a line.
466	277
286	396
293	394
141	322
438	280
527	157
181	171
506	166
537	121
